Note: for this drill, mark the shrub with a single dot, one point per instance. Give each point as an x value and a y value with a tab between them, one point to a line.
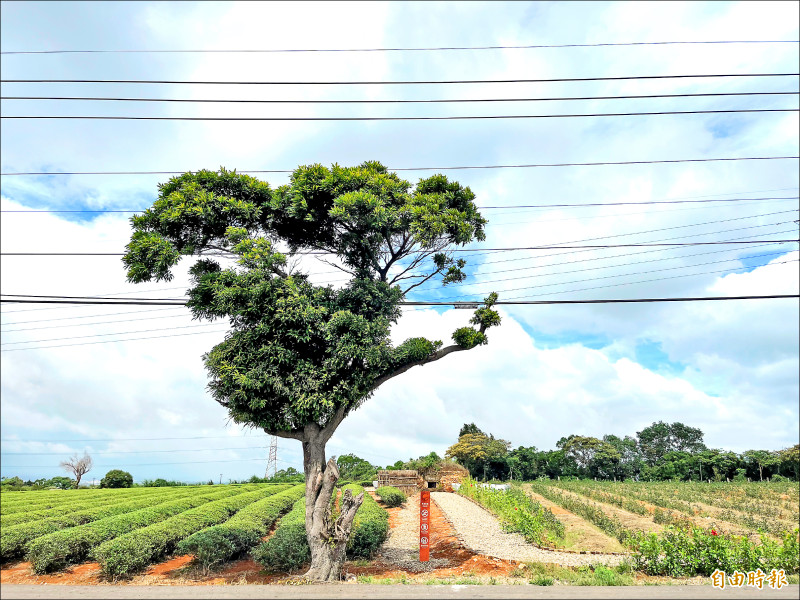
517	512
215	545
370	526
391	496
117	479
287	549
56	550
14	539
130	552
686	551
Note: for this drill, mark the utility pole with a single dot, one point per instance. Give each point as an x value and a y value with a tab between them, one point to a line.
272	461
220	478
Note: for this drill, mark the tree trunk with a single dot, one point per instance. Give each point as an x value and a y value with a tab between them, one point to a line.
760	473
327	538
78	480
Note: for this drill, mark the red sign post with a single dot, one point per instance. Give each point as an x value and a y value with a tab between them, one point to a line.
424	526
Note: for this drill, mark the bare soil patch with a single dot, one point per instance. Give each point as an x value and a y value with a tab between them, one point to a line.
580	534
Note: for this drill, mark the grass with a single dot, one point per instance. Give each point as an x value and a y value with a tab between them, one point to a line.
549	574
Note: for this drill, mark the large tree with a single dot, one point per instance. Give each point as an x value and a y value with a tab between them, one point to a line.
300	357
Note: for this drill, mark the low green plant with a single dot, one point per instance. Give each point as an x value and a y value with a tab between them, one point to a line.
287	549
67	546
687	551
131	552
215	545
391	496
517	512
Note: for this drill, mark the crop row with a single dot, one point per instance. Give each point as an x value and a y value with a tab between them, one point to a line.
67	499
214	545
132	551
288	549
517	512
14	539
611	525
667	501
61	548
71	507
603	496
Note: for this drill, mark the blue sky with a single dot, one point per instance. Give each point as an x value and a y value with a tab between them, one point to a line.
730	368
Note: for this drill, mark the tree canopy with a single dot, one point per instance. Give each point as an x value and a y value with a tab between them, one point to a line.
300	357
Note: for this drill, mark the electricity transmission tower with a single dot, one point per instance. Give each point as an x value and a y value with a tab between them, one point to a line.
272	462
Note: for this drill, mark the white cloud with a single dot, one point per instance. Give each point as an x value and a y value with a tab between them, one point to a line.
727	367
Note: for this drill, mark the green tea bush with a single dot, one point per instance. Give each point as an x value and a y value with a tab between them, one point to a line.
287	549
517	512
687	551
61	548
131	552
391	496
217	544
370	526
13	540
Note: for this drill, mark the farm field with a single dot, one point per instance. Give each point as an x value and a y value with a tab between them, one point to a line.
204	535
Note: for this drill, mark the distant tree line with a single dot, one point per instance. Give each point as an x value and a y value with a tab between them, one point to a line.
659	452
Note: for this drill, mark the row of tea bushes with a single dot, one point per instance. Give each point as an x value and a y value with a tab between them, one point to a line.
288	549
61	548
74	506
215	545
133	551
517	512
66	500
13	540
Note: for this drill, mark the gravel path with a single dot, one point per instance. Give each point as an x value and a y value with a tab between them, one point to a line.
482	533
402	546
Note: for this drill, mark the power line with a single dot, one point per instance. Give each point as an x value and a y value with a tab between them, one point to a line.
514	249
449	118
158	439
456	168
468	303
393	101
80	337
430	82
423	49
138	451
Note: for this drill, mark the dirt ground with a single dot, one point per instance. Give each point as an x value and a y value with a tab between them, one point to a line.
580	534
178	570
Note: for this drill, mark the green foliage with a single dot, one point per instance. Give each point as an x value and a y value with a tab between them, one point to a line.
61	548
297	353
351	468
161	483
370	526
117	478
517	512
391	496
687	551
611	525
215	545
287	549
14	539
132	551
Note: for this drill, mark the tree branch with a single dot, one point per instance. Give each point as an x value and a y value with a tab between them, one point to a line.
439	354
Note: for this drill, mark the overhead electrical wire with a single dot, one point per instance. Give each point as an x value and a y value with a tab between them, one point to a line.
185	315
456	168
447	118
392	101
423	49
428	82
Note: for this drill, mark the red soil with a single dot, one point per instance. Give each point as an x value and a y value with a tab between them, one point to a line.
178	570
